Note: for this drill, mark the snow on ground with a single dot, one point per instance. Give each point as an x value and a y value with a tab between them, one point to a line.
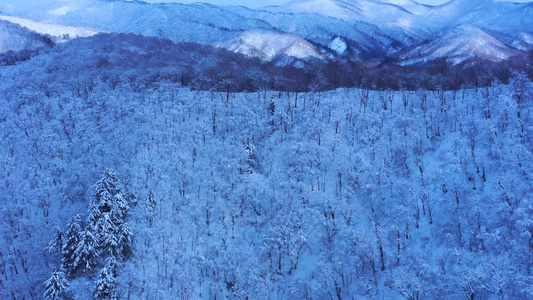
465	42
347	193
268	45
338	45
60	33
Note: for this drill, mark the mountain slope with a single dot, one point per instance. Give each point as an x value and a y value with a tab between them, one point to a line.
371	29
251	180
363	39
16	38
464	43
423	20
362	10
496	15
202	23
270	195
56	32
272	46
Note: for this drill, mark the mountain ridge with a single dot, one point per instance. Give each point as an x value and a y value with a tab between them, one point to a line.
15	38
463	43
390	36
217	24
253	154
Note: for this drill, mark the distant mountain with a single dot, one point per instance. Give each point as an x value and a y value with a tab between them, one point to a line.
388	11
57	32
16	38
412	16
370	29
360	35
465	43
281	48
201	23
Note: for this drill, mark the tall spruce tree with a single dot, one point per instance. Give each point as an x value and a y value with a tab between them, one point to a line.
107	213
56	244
104	286
70	243
86	252
55	286
151	203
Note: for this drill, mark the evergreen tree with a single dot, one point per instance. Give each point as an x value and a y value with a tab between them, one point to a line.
70	244
252	158
108	229
125	239
86	252
107	213
56	244
104	287
56	286
151	203
108	197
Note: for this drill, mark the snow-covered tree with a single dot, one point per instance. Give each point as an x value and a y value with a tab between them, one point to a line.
70	243
108	230
107	213
151	205
104	286
252	158
86	252
124	236
56	244
56	286
250	162
151	202
108	197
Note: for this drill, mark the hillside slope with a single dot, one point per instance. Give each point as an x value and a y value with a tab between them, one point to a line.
55	32
464	43
373	30
350	192
15	38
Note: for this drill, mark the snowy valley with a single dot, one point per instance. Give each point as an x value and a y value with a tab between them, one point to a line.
171	151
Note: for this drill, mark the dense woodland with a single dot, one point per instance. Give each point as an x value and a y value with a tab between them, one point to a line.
298	193
143	62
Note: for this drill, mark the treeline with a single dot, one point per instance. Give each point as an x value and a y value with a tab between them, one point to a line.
144	62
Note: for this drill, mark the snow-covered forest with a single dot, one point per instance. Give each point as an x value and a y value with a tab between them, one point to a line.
170	151
330	195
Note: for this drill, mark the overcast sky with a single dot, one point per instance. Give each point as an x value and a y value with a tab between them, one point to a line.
261	3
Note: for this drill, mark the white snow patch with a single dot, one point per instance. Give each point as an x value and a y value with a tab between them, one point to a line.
338	45
528	38
404	23
60	11
268	45
61	33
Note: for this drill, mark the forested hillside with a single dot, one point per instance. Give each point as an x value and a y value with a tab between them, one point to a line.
368	149
341	194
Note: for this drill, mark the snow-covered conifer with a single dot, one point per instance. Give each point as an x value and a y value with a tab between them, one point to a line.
56	286
250	151
125	236
86	252
151	202
56	244
70	243
108	197
104	286
108	230
251	158
107	213
272	107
